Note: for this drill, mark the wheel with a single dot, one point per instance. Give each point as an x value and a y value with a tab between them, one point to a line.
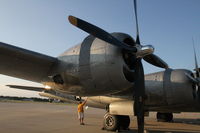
160	117
169	117
111	122
124	122
164	117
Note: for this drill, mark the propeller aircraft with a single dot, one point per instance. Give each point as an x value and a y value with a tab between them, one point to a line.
107	68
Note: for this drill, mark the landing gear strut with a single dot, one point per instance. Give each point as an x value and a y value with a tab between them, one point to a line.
164	117
115	122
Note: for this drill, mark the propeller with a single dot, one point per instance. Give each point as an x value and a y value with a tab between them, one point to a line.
140	52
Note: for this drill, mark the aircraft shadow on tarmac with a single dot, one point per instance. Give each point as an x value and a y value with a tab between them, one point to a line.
157	131
187	121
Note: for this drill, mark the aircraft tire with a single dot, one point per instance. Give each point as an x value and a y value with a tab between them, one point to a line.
111	122
124	122
164	117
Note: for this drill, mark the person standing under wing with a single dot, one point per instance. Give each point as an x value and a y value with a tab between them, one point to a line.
81	111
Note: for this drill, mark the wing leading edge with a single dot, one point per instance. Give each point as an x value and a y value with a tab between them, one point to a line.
21	63
30	88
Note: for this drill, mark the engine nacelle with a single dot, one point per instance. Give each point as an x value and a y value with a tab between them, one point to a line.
170	89
95	67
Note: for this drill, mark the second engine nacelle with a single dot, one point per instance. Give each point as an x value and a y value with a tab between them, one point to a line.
171	89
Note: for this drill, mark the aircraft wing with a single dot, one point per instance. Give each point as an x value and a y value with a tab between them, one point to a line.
30	88
47	93
25	64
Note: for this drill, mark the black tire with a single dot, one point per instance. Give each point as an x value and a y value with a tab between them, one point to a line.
124	122
160	117
169	117
111	122
164	117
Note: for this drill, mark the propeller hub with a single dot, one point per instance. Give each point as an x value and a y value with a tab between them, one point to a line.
144	50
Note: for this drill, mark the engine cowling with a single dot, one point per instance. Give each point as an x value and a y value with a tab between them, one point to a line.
96	68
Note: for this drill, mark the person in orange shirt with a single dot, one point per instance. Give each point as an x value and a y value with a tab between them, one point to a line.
81	111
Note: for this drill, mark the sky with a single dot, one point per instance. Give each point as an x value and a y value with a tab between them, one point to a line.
42	26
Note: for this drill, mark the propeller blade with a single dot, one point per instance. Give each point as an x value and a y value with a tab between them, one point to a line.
195	59
156	61
192	79
197	73
139	87
139	92
99	33
136	19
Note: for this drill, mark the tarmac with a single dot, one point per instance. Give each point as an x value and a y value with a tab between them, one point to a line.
30	117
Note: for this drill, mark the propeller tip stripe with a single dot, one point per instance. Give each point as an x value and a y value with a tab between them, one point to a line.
72	20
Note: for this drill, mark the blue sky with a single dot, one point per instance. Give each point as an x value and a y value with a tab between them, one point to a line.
42	26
